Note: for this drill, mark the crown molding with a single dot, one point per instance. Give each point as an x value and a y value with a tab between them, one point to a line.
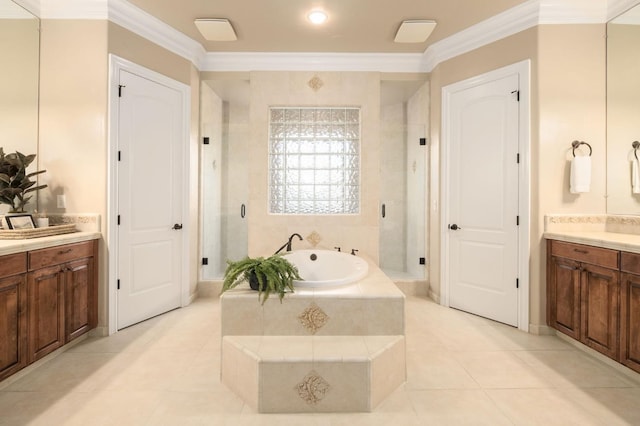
74	9
33	6
497	27
145	25
616	7
505	24
573	11
285	61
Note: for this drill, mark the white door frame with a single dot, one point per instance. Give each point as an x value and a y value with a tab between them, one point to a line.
523	70
116	64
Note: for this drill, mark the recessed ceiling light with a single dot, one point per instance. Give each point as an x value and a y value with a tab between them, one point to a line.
216	29
317	17
414	31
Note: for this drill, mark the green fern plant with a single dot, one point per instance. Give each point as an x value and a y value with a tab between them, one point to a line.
273	274
15	182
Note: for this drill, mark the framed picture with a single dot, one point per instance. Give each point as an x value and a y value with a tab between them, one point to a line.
20	221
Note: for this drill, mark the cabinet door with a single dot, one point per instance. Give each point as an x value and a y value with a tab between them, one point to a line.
13	324
630	321
46	311
78	298
563	296
600	309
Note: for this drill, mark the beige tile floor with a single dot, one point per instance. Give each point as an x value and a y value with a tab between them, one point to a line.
461	370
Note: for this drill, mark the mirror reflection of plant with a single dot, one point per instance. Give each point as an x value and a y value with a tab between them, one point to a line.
15	182
273	274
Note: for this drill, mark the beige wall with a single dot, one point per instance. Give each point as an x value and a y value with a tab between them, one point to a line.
131	46
267	232
567	103
74	121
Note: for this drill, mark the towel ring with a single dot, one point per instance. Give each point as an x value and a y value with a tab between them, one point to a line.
576	144
635	145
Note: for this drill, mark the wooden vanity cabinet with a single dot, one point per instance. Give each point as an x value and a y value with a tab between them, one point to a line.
630	310
62	296
583	294
13	311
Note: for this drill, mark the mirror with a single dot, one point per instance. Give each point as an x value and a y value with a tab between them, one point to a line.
623	111
20	53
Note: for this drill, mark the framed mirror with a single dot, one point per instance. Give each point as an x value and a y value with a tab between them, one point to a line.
623	112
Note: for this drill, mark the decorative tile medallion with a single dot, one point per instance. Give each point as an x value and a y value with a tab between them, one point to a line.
315	83
314	238
313	318
313	388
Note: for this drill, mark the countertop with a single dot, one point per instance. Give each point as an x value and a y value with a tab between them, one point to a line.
611	240
17	246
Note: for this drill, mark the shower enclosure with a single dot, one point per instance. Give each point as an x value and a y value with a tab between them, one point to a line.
226	130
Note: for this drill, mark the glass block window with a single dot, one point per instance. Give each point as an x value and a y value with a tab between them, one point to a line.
314	160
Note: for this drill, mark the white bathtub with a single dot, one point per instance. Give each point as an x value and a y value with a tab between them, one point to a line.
326	268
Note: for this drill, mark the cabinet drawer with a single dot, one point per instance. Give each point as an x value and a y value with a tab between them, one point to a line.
13	264
630	262
60	254
587	254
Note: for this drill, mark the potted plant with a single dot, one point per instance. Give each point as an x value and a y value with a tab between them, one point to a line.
273	274
15	182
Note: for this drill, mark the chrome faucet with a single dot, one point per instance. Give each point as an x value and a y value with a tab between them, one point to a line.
287	245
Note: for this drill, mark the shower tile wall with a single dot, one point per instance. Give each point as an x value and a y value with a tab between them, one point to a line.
267	232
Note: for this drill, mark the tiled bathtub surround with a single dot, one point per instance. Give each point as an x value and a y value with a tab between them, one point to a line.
329	350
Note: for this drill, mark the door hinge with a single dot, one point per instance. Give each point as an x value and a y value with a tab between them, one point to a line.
422	260
517	283
120	86
205	260
423	141
118	219
119	155
517	92
118	284
518	158
205	140
517	220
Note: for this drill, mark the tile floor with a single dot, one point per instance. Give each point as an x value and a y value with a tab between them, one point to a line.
461	370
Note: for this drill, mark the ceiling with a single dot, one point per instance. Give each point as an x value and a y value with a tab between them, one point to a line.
354	26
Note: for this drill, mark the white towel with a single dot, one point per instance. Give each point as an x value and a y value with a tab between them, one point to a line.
580	180
635	177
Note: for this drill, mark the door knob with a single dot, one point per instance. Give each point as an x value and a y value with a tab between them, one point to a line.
177	226
454	227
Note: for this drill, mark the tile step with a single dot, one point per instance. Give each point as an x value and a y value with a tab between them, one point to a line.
308	374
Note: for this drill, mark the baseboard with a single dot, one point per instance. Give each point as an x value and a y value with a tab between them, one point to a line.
541	330
209	289
631	374
433	296
31	367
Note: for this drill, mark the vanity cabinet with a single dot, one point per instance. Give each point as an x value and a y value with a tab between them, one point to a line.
630	311
583	294
62	296
48	297
13	310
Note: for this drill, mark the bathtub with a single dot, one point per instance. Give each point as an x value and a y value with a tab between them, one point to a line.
326	268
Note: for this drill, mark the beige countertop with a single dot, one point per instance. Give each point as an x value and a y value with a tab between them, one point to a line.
611	240
17	246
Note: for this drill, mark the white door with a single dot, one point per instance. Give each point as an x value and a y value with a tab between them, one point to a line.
150	198
482	228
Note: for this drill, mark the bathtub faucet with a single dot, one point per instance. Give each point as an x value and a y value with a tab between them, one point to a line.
287	245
